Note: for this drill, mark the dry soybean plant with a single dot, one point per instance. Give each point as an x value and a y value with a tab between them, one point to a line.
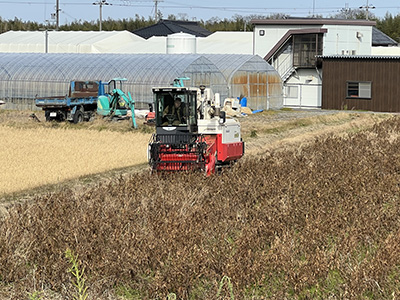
318	222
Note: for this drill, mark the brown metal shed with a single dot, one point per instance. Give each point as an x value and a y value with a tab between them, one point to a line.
361	82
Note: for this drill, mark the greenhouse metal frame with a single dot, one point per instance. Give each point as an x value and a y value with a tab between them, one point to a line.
24	76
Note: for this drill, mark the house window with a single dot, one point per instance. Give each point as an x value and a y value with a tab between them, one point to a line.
358	89
306	47
292	91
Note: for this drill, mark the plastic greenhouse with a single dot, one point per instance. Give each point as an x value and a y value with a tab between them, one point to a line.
249	76
24	76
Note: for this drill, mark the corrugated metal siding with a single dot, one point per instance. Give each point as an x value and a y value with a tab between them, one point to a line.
383	75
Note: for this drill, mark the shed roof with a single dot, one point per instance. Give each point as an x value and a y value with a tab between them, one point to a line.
167	27
381	39
66	41
359	57
229	42
118	42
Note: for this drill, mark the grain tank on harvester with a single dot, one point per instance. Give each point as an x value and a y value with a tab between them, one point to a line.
192	132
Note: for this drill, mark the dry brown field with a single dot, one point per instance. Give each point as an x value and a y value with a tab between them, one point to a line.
310	212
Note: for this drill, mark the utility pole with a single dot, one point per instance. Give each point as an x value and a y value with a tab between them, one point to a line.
346	10
313	9
46	38
100	3
46	41
367	7
156	9
56	15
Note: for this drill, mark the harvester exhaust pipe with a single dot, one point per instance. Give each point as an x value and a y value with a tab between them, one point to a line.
217	100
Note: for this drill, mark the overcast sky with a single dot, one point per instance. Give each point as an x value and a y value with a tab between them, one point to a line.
71	10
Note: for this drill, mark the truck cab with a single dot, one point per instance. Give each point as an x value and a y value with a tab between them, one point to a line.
85	89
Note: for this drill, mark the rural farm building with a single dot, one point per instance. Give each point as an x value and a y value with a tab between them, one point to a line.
124	42
23	76
65	41
291	46
361	82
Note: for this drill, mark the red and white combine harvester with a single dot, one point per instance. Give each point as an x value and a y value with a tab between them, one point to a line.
192	132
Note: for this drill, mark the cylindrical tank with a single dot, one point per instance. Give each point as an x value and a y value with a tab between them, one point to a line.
181	43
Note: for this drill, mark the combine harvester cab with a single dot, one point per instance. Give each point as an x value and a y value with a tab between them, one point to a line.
192	133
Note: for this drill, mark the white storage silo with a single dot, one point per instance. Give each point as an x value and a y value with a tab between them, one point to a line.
181	43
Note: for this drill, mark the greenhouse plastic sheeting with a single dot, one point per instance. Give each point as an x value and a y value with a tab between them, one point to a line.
251	77
24	76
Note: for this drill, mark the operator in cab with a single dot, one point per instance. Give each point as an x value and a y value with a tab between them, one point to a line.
174	115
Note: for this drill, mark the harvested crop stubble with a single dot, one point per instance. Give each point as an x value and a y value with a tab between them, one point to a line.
320	222
33	157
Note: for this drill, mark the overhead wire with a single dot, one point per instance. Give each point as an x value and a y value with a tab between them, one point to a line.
184	5
178	5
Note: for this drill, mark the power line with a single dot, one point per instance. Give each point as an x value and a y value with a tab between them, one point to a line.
100	3
189	6
172	5
367	7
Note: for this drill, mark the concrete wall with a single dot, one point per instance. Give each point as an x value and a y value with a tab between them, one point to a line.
343	39
338	38
272	34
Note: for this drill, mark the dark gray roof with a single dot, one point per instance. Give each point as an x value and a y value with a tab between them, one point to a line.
381	39
359	57
166	27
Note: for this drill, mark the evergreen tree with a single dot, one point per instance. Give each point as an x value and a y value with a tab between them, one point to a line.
390	25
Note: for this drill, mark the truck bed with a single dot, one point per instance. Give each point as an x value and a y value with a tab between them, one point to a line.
64	102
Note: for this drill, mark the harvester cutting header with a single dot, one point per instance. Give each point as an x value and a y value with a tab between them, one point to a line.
192	132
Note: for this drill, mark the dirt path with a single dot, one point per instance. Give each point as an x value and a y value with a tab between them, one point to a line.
299	128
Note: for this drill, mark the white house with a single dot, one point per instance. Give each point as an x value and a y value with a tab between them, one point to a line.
291	47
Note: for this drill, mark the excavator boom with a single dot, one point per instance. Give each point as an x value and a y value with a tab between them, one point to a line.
116	102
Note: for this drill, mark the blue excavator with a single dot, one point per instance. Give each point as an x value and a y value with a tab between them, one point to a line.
115	103
85	98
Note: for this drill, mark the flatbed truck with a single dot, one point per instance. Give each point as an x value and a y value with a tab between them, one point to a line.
79	105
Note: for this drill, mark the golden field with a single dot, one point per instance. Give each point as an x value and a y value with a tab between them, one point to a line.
32	157
37	154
